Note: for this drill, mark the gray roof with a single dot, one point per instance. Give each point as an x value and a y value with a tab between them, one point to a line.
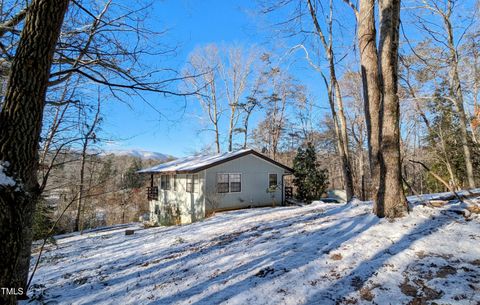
194	164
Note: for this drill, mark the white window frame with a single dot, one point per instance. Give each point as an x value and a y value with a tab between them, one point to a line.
168	182
229	182
194	182
276	185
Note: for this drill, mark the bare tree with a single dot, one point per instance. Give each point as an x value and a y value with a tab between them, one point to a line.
20	122
379	68
235	71
444	10
204	62
88	131
350	82
338	114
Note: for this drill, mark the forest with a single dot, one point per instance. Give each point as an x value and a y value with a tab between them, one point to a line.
387	94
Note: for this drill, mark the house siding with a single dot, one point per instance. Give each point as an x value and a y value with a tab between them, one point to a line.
255	182
178	207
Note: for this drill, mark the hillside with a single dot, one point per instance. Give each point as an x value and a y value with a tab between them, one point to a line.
317	254
141	154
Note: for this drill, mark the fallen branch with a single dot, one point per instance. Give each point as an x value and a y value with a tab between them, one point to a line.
471	206
457	196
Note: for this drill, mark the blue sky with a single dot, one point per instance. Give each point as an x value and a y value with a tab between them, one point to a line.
192	23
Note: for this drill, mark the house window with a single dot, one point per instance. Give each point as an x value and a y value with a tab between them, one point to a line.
222	183
165	182
192	183
157	209
272	181
235	183
195	183
174	182
229	183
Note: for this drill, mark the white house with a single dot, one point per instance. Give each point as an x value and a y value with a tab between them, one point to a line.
187	189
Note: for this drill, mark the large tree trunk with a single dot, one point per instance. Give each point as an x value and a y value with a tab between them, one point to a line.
382	108
20	125
394	201
371	90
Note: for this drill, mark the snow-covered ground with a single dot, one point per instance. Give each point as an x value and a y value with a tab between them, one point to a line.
316	254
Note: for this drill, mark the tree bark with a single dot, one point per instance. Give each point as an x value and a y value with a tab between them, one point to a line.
456	93
338	116
379	69
371	91
20	125
390	187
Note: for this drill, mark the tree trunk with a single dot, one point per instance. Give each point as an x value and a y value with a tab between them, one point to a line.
230	130
20	125
457	96
344	153
89	135
215	117
476	80
390	187
371	91
339	119
78	227
382	108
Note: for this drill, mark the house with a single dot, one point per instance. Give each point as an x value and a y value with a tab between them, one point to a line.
188	189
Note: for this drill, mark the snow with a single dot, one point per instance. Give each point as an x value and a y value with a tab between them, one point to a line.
142	154
5	180
193	162
315	254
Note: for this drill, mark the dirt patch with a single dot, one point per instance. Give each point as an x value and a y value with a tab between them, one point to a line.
366	294
408	289
446	271
474	209
475	262
336	256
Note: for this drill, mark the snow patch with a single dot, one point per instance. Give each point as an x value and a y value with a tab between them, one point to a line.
315	254
4	179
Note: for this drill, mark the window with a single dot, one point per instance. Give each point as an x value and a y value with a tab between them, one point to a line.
195	183
174	182
157	209
189	186
272	181
192	183
235	183
229	183
165	182
222	183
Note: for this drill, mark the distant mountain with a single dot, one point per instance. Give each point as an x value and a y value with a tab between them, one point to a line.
142	154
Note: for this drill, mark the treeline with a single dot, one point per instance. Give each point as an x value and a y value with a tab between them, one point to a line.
111	192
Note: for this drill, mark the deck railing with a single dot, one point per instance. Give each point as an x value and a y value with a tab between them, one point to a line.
288	192
152	193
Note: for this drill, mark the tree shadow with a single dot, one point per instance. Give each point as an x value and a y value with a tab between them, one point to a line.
294	252
266	260
356	278
135	271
